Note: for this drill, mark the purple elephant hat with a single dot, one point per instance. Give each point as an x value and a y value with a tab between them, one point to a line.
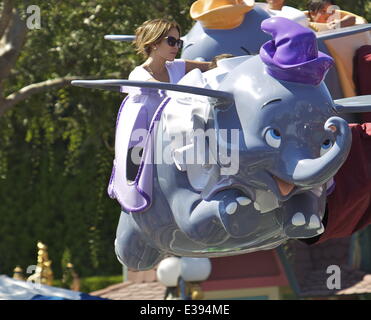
293	53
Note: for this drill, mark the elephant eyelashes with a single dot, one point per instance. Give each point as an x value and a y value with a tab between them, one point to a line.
273	138
326	146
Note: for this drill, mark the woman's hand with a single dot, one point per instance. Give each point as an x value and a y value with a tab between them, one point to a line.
334	24
346	21
202	65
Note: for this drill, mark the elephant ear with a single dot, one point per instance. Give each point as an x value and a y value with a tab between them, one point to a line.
353	104
185	118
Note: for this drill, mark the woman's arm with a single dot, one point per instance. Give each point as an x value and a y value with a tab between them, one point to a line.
345	21
192	64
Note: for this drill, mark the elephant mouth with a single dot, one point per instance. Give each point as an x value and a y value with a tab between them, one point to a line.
284	187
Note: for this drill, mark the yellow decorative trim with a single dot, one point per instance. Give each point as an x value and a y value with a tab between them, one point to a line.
220	14
273	293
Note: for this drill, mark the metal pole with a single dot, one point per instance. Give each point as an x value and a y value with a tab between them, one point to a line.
124	273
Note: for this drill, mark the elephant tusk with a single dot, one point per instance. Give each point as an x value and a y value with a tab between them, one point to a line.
284	187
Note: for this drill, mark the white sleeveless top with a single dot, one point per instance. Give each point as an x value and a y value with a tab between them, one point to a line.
176	70
151	99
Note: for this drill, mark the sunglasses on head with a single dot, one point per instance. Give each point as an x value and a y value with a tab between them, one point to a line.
172	42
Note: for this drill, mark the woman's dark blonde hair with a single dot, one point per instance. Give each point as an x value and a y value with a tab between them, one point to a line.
152	32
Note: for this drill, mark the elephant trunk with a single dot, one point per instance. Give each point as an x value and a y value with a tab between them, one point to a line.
309	172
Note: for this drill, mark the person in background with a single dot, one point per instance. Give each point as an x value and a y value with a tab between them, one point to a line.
275	4
278	8
325	15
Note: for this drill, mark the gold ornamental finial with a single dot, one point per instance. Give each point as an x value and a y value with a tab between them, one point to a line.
44	273
71	278
196	291
18	273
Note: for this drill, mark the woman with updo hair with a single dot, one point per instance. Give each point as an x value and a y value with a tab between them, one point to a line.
158	41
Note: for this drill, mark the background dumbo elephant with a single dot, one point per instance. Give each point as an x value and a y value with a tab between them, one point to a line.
204	43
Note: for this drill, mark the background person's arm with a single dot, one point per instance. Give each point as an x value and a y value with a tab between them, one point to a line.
202	65
346	20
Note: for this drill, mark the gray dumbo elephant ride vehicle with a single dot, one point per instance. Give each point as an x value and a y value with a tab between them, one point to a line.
236	159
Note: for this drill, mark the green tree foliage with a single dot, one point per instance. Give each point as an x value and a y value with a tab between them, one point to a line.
56	146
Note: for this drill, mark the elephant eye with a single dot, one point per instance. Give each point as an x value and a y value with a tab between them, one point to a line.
326	146
273	138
